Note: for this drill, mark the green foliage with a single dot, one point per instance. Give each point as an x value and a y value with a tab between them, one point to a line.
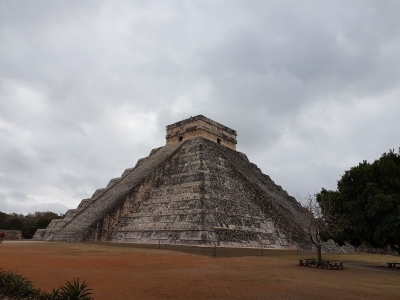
328	202
367	203
70	291
14	284
43	222
53	295
27	224
75	291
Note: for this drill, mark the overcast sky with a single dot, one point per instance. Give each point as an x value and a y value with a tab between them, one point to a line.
87	88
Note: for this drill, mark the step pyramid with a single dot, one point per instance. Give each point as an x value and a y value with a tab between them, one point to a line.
196	190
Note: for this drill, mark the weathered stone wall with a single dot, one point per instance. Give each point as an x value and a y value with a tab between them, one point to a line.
11	234
204	127
76	223
286	212
171	211
199	132
200	198
192	193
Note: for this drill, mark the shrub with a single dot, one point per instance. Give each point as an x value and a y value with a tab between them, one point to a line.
54	295
12	283
15	285
75	291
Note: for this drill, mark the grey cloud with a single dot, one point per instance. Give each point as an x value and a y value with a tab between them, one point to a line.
87	88
24	209
14	158
17	196
54	207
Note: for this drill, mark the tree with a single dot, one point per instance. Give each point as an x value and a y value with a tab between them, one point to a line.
320	224
27	224
368	202
38	220
13	223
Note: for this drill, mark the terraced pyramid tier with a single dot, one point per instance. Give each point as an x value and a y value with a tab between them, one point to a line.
192	192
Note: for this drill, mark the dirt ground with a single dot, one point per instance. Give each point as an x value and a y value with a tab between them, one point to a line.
133	272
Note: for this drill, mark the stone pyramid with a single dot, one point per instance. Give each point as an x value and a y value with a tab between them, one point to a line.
196	190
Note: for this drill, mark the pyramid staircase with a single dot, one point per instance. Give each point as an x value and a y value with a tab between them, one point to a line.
195	192
76	222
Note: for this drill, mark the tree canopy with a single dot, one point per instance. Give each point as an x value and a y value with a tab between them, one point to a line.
26	224
367	203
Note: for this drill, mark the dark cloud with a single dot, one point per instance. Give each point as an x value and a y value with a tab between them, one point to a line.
87	88
18	196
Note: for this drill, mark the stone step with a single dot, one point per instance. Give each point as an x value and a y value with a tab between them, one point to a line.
98	193
104	197
112	182
84	203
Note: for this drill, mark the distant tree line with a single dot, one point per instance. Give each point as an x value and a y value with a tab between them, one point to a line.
366	204
27	224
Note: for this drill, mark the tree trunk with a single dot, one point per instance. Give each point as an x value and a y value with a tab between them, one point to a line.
319	252
395	248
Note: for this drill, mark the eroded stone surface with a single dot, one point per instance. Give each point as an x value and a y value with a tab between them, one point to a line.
201	126
194	193
191	192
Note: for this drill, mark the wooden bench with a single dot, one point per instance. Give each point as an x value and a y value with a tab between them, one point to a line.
311	262
335	265
394	265
305	261
320	264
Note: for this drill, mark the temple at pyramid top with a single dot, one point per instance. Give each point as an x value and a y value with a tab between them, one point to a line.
204	127
196	191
